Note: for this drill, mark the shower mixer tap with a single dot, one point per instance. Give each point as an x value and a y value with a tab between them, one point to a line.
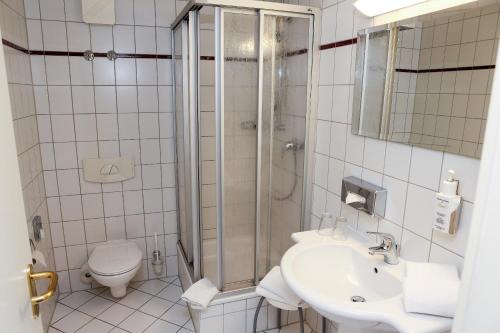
291	145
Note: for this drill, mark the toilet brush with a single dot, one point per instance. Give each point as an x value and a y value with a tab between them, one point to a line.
157	261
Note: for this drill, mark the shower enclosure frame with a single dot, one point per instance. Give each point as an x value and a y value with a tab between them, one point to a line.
190	71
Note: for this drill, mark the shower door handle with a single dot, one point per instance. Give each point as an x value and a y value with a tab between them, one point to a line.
35	298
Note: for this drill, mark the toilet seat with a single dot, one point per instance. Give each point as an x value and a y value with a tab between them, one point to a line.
115	258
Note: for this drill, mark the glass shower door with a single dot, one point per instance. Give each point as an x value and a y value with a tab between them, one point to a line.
286	49
239	69
180	66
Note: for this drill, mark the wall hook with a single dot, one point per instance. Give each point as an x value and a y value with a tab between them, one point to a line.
88	55
111	55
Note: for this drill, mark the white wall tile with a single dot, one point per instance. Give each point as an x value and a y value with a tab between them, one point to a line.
374	154
57	68
426	168
414	247
60	100
397	160
124	39
101	38
73	9
52	10
124	11
78	36
83	99
104	71
420	208
144	12
54	35
145	39
396	199
71	209
113	204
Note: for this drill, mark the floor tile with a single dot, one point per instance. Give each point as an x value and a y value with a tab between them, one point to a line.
72	322
172	293
96	326
137	322
156	306
161	326
62	295
177	282
97	291
189	325
107	294
177	314
169	279
76	299
117	330
135	299
96	311
60	311
115	314
183	330
136	284
153	286
95	306
294	328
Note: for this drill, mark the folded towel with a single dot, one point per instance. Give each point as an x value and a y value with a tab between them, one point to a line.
431	289
274	287
200	294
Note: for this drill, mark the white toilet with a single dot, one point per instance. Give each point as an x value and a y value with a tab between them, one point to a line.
114	263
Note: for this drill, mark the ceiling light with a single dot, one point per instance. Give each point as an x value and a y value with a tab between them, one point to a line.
376	7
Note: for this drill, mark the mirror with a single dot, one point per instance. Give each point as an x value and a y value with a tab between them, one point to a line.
427	83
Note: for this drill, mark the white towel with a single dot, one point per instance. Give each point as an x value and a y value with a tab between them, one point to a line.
431	288
274	287
200	294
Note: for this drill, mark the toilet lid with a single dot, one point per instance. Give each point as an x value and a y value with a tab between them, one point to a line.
115	257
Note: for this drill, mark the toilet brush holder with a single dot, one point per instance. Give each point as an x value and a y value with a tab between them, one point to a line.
157	262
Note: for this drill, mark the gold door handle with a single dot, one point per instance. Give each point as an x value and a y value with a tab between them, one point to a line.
35	298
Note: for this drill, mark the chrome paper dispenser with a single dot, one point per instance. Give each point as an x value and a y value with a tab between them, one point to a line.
364	196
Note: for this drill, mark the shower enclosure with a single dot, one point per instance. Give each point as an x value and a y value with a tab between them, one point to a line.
244	111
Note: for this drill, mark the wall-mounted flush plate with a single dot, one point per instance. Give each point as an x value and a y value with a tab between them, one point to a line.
108	170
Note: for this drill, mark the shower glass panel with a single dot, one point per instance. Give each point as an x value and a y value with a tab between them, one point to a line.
285	56
207	163
240	40
243	107
180	67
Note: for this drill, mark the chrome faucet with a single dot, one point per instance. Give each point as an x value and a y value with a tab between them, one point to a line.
388	248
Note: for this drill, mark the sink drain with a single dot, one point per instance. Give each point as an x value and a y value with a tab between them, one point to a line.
358	299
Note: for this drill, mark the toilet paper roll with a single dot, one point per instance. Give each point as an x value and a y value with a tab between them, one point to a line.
39	259
86	274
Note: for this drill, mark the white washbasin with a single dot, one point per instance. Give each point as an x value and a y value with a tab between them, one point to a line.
327	274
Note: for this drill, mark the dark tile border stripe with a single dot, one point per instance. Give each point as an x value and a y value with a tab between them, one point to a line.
164	56
80	54
14	46
449	69
338	44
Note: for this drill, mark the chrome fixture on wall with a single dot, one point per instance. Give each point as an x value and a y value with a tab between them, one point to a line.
293	146
364	196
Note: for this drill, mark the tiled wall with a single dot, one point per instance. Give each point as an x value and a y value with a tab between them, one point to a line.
403	95
452	106
104	108
13	27
411	175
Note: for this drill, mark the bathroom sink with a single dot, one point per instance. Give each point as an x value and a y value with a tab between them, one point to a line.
341	281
